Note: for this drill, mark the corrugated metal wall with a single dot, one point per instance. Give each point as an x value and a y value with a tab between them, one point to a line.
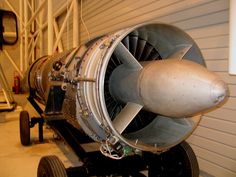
206	21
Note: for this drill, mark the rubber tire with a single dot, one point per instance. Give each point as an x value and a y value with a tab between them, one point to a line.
51	166
191	158
187	158
24	128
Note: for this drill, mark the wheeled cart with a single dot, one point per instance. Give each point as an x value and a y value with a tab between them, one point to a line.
179	161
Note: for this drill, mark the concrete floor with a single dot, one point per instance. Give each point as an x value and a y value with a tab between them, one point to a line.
19	161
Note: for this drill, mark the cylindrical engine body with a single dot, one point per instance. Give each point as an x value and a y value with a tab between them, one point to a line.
41	74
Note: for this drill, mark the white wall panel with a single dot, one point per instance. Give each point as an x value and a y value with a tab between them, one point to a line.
213	146
230	79
214	169
216	135
215	53
217	65
205	20
232	90
216	159
230	104
210	31
219	125
201	9
105	23
223	114
101	8
213	42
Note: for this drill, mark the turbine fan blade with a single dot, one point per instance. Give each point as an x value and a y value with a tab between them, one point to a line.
126	42
126	57
147	51
127	114
133	44
154	55
180	51
140	48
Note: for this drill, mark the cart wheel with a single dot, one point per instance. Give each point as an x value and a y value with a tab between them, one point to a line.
179	161
51	166
24	128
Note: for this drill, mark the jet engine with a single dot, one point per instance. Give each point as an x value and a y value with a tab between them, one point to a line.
139	91
142	88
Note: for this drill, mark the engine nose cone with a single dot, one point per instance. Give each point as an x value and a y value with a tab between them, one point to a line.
219	91
180	88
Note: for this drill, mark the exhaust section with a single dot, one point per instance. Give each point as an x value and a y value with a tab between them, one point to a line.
142	88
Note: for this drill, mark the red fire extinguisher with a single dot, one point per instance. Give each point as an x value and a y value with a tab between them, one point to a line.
16	83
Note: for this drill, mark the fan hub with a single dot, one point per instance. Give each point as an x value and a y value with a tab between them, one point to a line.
166	87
